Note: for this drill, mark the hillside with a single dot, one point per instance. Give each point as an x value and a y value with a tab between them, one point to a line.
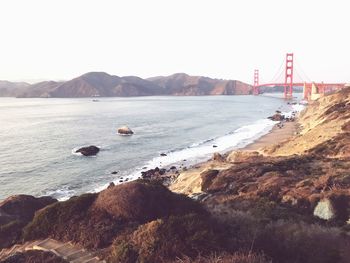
93	84
11	89
289	202
104	85
185	85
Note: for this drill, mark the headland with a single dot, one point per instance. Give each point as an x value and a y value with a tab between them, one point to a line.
284	198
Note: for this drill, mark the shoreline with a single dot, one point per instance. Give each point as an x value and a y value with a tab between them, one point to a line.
188	182
274	136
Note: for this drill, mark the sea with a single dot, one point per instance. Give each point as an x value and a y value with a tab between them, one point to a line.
38	137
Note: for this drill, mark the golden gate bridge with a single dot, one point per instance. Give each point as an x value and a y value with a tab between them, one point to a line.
309	88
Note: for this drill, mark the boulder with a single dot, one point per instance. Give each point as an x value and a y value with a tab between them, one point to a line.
125	130
88	151
207	178
153	174
325	209
277	117
218	157
111	184
243	156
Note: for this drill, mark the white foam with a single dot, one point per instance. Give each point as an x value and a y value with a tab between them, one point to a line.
203	150
298	107
74	151
61	194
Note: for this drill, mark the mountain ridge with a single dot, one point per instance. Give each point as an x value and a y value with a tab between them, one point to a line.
102	84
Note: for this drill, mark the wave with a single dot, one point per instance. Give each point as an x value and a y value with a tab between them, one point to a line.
203	150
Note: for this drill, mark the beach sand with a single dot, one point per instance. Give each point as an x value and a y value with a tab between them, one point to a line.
276	135
189	182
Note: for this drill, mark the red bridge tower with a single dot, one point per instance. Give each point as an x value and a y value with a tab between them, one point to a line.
256	82
288	83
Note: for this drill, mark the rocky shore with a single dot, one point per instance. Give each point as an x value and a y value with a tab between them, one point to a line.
285	198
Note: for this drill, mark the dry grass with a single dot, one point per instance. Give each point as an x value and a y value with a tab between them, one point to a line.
227	258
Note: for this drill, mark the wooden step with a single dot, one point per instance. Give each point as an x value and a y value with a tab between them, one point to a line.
83	259
65	249
93	260
77	254
32	244
47	244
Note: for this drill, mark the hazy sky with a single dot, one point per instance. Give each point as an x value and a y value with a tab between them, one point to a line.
61	39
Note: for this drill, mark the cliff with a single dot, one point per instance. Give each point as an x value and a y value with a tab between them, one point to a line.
288	202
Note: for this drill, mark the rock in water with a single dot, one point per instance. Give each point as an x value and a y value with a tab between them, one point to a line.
125	130
88	151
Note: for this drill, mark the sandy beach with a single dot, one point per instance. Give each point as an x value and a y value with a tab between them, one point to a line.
188	182
276	135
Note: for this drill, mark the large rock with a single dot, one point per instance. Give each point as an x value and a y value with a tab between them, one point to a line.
243	156
218	157
207	178
154	174
88	151
125	130
277	117
325	209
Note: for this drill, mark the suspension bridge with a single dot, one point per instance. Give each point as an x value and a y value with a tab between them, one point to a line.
311	89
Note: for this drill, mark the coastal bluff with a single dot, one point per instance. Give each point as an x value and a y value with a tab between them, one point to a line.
286	201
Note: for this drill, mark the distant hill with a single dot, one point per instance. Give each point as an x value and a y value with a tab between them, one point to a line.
104	85
183	84
11	89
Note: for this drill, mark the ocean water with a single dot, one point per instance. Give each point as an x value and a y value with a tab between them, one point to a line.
38	137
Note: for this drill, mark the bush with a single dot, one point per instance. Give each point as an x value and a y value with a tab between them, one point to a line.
74	220
165	239
144	201
227	258
56	217
95	220
10	233
289	242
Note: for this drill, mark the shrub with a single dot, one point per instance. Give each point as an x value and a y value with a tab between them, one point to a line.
300	242
95	220
143	201
10	233
56	217
165	239
227	258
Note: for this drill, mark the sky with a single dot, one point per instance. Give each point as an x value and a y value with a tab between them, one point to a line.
62	39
